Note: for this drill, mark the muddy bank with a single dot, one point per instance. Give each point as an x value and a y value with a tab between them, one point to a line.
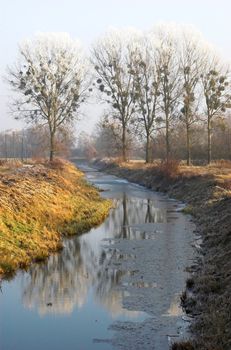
39	204
206	192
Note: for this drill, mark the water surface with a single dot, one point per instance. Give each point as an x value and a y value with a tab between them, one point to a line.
116	286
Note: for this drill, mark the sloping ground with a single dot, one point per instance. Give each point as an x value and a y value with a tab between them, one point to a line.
39	204
207	193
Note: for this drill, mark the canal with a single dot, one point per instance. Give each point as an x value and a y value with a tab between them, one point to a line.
117	286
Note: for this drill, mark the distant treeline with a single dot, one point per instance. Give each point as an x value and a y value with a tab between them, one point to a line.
103	142
33	142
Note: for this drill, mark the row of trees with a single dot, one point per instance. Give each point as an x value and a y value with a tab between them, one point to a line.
155	80
149	82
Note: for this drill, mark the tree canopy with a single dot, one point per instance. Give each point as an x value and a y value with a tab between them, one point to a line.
50	81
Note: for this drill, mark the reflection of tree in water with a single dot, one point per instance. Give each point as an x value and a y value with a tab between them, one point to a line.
65	280
135	211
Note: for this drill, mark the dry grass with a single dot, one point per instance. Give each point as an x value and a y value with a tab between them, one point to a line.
185	345
38	205
169	169
218	173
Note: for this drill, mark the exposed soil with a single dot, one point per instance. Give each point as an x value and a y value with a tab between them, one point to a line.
207	193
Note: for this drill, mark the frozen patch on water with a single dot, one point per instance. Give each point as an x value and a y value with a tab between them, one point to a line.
148	227
140	284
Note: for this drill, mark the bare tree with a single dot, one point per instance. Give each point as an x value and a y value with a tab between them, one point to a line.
216	90
192	59
50	81
108	137
113	59
85	146
146	94
170	77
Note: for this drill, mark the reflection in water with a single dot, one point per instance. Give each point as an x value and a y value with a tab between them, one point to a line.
66	280
134	211
175	309
84	265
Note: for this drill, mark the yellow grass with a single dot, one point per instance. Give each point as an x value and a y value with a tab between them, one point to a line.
37	206
220	171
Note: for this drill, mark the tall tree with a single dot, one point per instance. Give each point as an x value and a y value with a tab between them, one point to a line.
216	89
113	59
146	94
50	81
192	59
170	77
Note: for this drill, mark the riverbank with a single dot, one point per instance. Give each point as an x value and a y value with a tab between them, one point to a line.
207	194
39	204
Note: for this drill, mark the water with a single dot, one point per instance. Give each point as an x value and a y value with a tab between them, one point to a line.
116	286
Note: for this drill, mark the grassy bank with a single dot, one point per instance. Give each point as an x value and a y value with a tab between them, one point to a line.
207	193
38	205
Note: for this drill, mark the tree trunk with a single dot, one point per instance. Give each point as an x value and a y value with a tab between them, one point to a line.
167	139
52	146
148	150
188	136
209	141
22	150
6	153
124	145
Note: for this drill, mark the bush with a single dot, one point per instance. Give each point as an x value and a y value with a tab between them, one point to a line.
57	164
169	168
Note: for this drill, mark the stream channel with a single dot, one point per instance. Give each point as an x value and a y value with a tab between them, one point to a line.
117	286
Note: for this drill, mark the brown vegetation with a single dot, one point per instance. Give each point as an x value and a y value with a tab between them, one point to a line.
38	204
182	346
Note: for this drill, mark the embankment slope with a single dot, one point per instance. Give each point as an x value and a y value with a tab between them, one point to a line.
38	205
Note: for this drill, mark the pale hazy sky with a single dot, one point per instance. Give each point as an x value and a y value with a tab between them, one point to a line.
87	19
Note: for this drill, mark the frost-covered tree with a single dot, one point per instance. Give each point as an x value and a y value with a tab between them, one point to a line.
50	81
113	59
193	53
146	94
170	78
217	94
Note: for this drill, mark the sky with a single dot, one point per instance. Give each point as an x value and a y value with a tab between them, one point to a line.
88	19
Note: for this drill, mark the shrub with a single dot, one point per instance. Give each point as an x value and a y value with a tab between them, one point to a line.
57	164
169	168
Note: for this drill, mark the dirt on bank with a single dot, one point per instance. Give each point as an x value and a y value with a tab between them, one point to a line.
39	203
207	194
